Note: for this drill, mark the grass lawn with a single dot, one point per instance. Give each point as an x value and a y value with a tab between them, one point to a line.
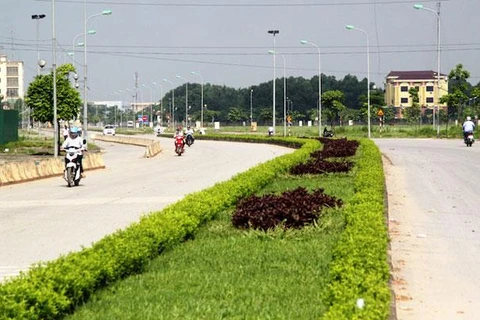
226	273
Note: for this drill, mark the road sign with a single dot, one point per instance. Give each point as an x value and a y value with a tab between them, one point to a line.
380	113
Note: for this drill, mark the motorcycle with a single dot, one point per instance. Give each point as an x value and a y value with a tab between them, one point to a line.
179	145
469	140
72	172
327	133
189	139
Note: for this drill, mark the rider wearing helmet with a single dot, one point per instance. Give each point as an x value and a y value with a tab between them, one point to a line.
178	133
468	127
74	140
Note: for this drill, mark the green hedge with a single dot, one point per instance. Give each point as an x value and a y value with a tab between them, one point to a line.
53	289
360	267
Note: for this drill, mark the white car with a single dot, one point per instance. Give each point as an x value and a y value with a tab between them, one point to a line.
109	129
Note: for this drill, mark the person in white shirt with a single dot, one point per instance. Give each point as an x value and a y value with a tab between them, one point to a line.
468	127
74	140
65	133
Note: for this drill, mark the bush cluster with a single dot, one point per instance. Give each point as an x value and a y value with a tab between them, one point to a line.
293	209
360	267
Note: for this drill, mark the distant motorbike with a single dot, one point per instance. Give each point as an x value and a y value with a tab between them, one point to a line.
179	145
327	133
72	172
189	139
469	140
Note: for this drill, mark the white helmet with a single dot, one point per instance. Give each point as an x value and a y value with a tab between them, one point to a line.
468	118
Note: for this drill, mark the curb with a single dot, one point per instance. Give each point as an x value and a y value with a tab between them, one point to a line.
23	171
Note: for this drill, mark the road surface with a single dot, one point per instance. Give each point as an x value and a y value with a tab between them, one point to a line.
43	219
434	222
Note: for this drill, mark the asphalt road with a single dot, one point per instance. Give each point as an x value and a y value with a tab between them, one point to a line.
434	221
43	219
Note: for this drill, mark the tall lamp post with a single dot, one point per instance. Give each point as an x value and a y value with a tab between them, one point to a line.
186	99
85	98
54	72
273	32
160	101
319	86
251	107
284	94
201	102
173	102
437	15
350	27
38	17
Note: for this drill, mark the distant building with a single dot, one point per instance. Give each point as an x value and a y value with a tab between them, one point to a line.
11	79
398	83
109	104
140	106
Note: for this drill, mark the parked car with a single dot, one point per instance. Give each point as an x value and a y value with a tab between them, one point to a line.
129	124
109	129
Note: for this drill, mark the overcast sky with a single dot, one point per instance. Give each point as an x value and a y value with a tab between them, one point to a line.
227	41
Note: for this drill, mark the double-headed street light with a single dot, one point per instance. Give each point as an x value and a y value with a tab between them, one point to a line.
54	73
437	15
85	97
80	44
201	102
350	27
186	99
273	32
251	107
173	102
319	86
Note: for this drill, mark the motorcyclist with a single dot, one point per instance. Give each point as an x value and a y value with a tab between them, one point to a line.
468	127
178	133
74	140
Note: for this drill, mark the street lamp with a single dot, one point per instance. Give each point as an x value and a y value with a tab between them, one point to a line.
251	109
85	98
284	94
319	86
80	44
273	32
38	17
160	101
173	101
437	14
201	102
54	73
350	27
186	99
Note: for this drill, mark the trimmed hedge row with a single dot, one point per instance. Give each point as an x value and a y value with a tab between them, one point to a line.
53	289
359	284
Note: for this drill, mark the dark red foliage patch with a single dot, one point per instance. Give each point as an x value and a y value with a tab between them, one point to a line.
294	209
332	148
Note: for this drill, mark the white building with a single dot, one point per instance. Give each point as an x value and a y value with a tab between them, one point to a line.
11	79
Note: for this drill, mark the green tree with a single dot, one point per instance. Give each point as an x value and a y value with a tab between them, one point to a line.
413	113
39	96
332	103
236	115
458	90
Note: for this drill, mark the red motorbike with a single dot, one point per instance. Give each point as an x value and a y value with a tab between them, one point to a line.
179	145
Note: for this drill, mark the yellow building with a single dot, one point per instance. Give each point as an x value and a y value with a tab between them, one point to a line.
398	83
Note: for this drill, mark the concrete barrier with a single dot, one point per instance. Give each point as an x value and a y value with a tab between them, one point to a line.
28	170
152	147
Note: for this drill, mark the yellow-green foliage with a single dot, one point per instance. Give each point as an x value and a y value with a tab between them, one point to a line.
360	267
53	289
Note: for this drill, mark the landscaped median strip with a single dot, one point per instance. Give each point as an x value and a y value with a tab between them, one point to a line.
359	273
53	289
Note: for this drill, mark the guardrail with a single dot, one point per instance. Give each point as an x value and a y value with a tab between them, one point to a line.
152	147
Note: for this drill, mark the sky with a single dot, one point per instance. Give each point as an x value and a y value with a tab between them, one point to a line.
227	42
